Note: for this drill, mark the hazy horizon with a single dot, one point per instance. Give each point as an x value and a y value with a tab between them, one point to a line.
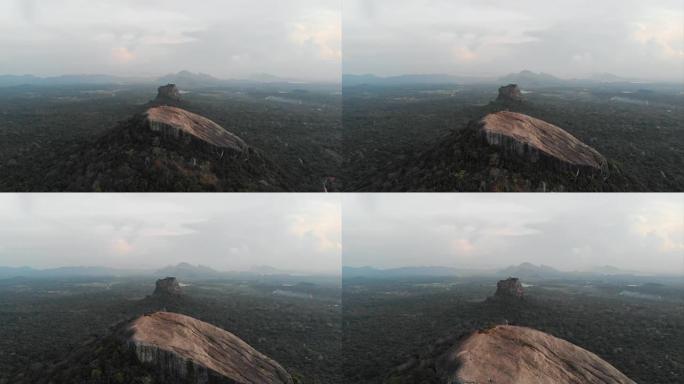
153	77
569	39
642	233
497	76
229	39
227	232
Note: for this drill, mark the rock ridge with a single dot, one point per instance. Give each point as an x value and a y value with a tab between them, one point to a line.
179	124
538	141
513	354
182	348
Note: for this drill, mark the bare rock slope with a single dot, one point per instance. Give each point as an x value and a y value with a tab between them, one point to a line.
184	125
511	354
504	152
536	139
167	149
169	348
181	347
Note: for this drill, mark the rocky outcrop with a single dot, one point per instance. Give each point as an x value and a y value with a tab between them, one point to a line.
184	349
168	92
503	152
539	142
510	288
511	354
167	287
179	124
510	94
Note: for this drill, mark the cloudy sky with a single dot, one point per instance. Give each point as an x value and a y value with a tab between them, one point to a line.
225	231
226	38
641	232
568	38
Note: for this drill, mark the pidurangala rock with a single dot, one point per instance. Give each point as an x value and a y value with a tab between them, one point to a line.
183	349
511	354
537	141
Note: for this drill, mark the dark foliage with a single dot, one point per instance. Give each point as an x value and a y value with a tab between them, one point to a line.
68	138
60	330
409	138
395	330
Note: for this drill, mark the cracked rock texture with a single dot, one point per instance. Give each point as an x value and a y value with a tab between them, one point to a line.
511	354
538	141
180	124
184	349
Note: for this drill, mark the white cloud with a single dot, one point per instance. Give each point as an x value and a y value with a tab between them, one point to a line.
297	38
641	232
225	231
568	38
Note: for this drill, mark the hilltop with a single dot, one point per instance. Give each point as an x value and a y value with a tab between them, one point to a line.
165	347
165	147
506	151
514	354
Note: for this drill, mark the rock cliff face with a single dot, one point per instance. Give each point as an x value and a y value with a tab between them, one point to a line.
510	94
167	287
510	288
538	141
168	92
177	123
510	354
184	349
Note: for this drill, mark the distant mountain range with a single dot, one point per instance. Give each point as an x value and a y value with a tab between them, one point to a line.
9	272
526	271
370	272
187	271
351	80
184	271
12	80
523	78
183	79
529	78
531	271
189	80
